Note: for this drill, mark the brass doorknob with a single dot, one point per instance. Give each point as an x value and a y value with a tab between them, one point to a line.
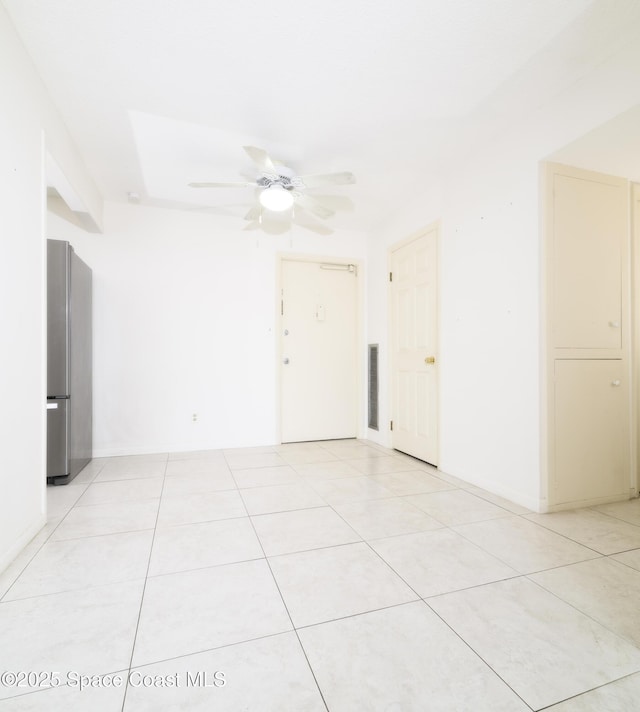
430	359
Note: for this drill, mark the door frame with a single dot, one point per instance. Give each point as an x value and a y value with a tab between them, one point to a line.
437	226
635	330
361	350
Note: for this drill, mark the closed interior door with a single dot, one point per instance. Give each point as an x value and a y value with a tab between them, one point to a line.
319	376
588	346
590	232
414	342
591	431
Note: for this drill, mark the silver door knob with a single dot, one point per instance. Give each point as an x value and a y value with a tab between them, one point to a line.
615	383
614	324
285	361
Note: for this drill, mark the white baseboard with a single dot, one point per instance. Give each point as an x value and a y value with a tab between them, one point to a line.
579	504
533	503
14	549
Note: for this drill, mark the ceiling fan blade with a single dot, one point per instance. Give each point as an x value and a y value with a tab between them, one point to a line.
321	179
222	184
249	175
309	202
254	213
273	227
335	202
261	158
301	218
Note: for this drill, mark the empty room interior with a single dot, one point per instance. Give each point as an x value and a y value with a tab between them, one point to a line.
321	356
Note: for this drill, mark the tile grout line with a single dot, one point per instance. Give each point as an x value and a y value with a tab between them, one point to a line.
268	563
444	526
214	648
516	573
45	541
477	654
523	517
82	589
584	613
561	600
95	536
614	517
204	568
564	536
586	692
144	588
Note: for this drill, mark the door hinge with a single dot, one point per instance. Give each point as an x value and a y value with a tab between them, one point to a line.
391	425
391	276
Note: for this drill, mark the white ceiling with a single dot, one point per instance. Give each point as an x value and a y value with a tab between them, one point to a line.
613	147
158	93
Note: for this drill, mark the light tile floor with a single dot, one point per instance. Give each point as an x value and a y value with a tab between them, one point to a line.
333	576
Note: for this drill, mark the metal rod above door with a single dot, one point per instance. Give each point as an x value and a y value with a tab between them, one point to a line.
340	267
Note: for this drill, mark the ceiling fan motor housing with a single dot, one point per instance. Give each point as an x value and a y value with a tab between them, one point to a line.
285	178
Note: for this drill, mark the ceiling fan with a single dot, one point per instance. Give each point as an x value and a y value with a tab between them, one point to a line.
283	197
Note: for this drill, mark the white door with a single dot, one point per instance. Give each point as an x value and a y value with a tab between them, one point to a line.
414	347
591	430
587	250
590	242
319	377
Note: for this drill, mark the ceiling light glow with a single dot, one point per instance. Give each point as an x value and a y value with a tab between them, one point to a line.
275	197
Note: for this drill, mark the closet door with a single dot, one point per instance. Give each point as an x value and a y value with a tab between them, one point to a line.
590	233
587	361
591	458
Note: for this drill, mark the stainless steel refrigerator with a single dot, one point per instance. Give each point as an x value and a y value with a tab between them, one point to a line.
69	357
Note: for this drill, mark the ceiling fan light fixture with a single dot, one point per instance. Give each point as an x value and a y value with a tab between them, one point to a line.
276	198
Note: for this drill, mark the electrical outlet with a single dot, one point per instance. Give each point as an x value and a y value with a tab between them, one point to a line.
194	417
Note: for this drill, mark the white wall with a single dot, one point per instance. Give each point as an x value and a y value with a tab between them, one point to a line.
184	323
28	124
490	338
490	284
